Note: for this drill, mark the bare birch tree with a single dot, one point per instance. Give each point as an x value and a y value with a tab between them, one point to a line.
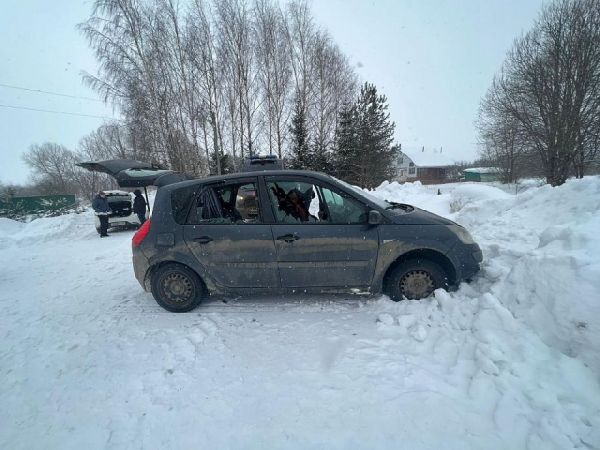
549	88
201	79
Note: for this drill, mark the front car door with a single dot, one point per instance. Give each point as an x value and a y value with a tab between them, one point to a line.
321	233
225	231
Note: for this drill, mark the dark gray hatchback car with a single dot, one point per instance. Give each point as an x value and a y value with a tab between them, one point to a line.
293	231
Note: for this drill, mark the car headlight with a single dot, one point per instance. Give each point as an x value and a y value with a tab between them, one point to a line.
462	234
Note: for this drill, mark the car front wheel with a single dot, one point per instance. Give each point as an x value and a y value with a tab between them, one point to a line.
177	288
415	279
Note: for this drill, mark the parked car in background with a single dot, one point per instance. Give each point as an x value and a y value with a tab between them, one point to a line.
122	215
288	231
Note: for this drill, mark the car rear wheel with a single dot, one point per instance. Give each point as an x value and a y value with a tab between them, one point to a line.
177	288
415	279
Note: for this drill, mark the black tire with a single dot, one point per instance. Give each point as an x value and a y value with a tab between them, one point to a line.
415	279
177	288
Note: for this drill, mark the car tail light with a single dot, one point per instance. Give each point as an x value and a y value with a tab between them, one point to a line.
141	234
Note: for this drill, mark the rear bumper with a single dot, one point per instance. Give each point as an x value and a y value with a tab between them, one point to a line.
115	221
140	267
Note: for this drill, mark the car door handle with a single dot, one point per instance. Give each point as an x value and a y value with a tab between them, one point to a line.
288	237
203	239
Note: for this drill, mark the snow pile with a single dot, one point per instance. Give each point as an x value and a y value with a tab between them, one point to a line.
8	228
541	252
508	361
68	226
479	352
439	199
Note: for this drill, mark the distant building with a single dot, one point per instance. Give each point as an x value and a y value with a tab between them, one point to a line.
482	174
425	165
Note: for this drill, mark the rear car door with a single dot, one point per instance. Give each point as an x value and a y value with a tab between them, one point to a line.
322	235
225	232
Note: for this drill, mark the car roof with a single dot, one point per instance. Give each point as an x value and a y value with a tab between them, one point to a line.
234	176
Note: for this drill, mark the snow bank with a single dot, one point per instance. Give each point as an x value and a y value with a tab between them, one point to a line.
550	275
68	226
440	199
541	252
8	228
477	346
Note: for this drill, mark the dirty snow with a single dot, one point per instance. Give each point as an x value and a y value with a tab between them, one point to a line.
510	361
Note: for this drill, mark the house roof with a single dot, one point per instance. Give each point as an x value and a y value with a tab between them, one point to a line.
428	157
482	170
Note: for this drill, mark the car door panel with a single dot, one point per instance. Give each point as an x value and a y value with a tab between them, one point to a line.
227	235
312	251
326	255
237	256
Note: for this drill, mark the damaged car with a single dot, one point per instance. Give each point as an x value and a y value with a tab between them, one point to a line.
287	231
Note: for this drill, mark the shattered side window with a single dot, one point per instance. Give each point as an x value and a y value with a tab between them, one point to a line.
181	201
296	202
235	203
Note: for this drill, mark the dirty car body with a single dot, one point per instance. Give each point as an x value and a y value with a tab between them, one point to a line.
301	232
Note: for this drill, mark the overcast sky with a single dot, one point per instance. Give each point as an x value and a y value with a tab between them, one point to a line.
432	59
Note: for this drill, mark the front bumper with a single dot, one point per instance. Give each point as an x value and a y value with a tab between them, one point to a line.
477	254
467	260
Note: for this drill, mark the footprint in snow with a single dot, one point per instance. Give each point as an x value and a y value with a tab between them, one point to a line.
385	319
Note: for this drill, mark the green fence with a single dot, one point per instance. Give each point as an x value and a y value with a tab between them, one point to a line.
39	204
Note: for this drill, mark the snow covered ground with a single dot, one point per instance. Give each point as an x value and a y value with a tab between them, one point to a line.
88	360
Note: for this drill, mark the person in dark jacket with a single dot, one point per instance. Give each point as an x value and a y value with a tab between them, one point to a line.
102	210
139	206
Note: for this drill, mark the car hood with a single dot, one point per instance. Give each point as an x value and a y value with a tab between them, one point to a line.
416	217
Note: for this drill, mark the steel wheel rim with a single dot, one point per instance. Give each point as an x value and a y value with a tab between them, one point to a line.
177	288
417	284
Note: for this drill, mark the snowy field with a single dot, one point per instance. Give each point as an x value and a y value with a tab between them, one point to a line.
88	360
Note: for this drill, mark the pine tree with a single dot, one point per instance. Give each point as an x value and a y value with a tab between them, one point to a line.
226	164
300	155
320	158
346	143
364	154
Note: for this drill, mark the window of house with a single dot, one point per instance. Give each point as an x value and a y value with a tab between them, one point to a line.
411	169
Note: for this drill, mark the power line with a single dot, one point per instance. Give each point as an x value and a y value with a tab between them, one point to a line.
41	91
56	112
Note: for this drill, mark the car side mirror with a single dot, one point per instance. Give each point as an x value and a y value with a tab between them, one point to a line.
374	217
